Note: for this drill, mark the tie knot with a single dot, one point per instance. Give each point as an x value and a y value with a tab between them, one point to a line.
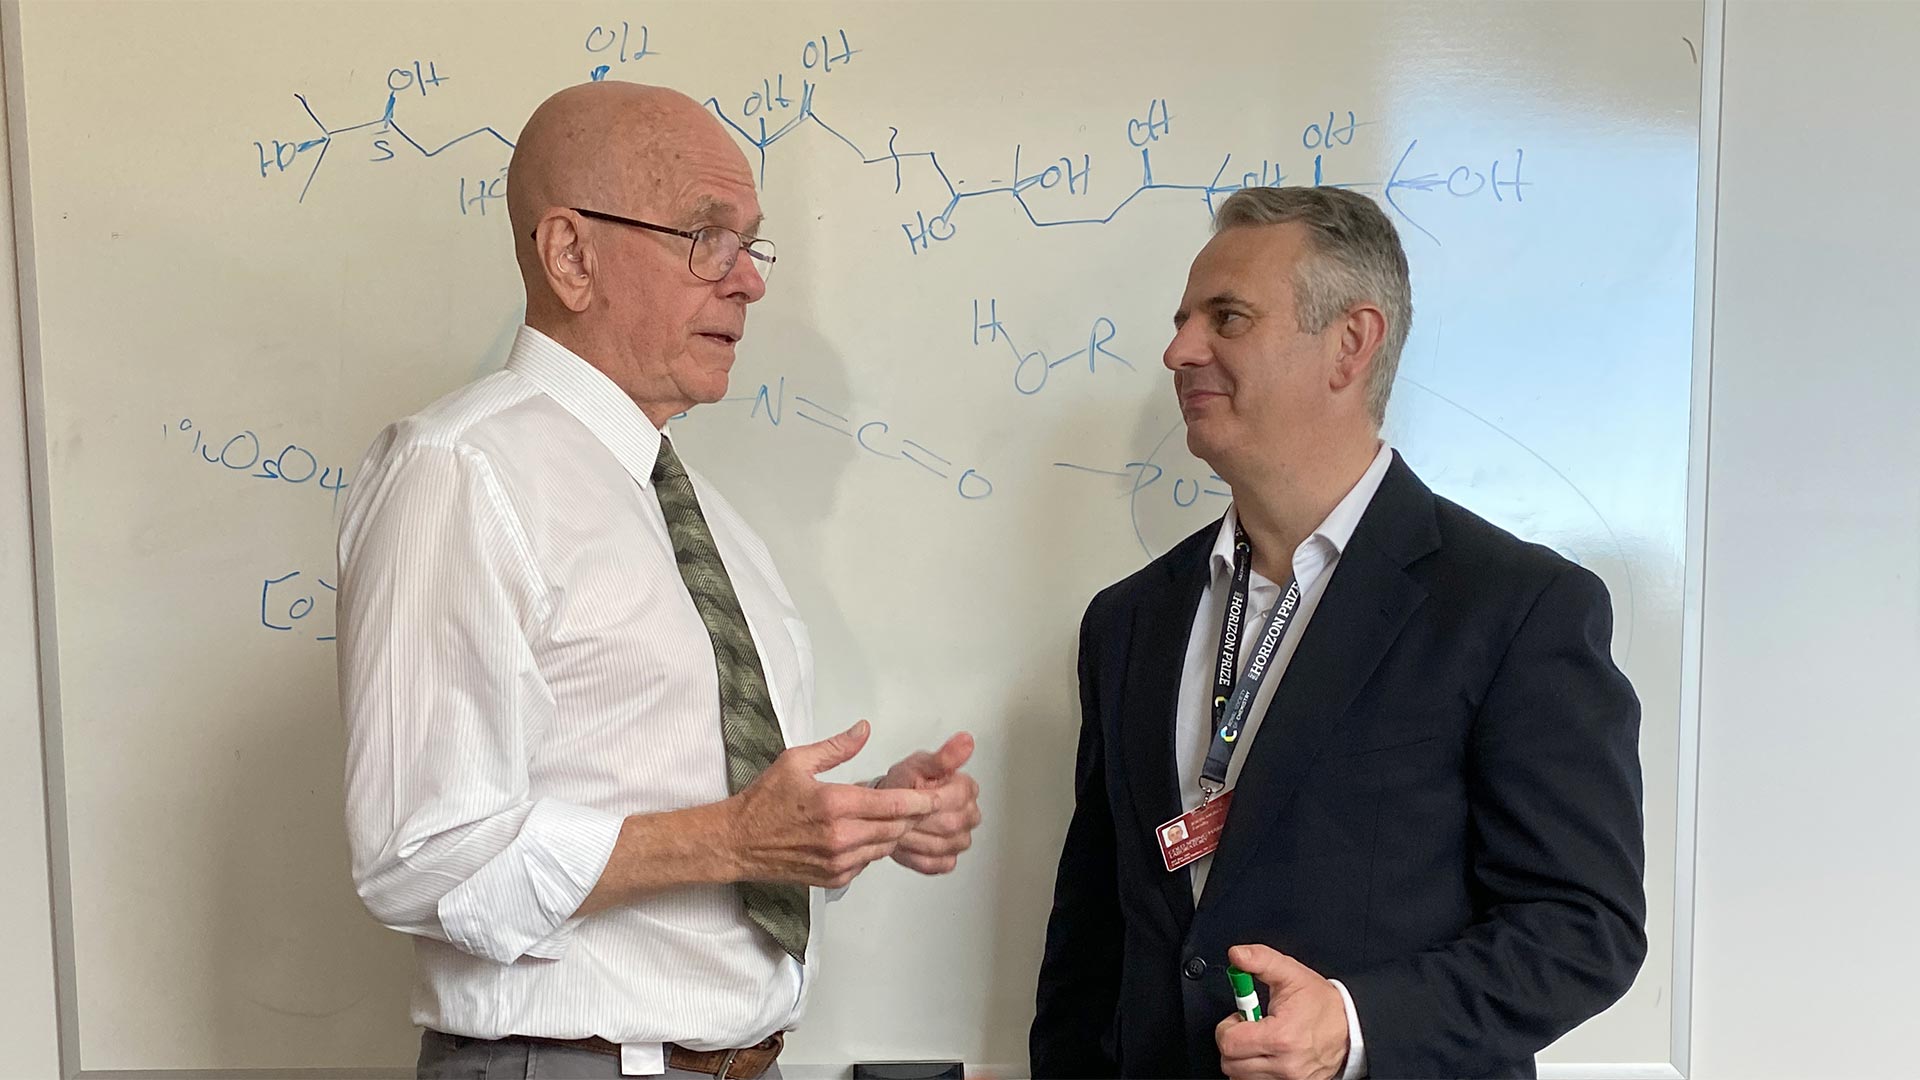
666	466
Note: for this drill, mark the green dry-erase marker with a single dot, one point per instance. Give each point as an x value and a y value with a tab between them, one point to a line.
1243	998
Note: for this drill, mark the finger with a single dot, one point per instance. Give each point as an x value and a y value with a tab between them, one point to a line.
945	826
1282	973
1220	1031
921	769
1246	1044
926	863
1256	1067
854	834
914	770
837	750
868	855
952	824
931	865
879	804
953	753
1239	1039
942	826
845	868
922	843
954	795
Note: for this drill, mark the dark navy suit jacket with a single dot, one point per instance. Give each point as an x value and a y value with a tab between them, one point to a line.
1442	809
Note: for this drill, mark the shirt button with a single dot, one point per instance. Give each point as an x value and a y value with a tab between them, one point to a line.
1196	967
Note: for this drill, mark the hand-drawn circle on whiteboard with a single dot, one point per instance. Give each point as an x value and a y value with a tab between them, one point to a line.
1458	453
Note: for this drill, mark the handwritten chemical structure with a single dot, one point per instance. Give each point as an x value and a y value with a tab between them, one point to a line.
1183	494
873	437
1184	491
604	42
244	453
1030	369
1144	132
607	44
770	112
288	601
1190	488
818	57
420	77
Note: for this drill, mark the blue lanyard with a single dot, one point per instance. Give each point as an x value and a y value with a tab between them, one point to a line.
1233	699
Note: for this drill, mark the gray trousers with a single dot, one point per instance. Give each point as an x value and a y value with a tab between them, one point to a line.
456	1057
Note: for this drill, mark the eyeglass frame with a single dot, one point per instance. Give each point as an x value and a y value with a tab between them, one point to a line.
693	238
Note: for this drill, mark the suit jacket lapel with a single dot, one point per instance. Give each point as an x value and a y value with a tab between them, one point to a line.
1365	605
1155	659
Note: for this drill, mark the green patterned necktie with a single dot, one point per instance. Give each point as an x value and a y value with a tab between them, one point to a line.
748	725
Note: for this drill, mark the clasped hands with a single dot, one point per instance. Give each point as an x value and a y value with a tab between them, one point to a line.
790	826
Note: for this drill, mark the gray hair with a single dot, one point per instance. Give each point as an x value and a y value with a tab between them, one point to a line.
1356	257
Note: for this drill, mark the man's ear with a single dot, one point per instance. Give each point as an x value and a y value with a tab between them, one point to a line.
566	259
1361	331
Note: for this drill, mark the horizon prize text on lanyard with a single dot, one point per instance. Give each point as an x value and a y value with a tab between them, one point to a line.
1197	832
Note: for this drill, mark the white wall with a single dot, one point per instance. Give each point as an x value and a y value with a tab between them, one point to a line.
28	1042
1805	948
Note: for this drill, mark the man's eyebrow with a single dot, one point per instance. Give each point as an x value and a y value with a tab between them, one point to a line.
1214	304
712	211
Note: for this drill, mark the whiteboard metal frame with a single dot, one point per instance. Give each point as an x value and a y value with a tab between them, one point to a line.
35	973
60	881
1694	586
1678	1065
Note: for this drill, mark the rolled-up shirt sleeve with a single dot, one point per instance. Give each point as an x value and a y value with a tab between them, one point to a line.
438	600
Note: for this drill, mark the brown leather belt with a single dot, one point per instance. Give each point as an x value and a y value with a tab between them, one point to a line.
744	1063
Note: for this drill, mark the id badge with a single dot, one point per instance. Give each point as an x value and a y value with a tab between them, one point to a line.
1194	833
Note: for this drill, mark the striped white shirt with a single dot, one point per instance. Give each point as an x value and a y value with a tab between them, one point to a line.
521	667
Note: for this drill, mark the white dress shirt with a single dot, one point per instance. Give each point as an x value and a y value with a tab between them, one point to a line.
521	668
1314	562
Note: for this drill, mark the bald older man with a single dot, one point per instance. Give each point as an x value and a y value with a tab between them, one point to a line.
581	767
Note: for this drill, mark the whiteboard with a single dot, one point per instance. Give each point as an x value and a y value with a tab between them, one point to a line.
252	234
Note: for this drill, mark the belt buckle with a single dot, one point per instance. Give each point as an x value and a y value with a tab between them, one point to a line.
725	1064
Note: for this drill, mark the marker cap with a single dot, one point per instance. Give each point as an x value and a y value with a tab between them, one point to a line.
1242	982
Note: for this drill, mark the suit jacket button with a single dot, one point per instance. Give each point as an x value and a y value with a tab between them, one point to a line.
1196	967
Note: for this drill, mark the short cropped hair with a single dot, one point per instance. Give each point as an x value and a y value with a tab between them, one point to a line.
1357	257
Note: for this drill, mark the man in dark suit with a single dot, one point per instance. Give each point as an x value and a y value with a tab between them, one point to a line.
1429	848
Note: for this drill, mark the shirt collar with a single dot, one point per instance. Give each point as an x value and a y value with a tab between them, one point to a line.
1333	534
593	399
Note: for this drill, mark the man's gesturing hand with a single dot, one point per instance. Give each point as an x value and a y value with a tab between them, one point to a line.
934	844
788	826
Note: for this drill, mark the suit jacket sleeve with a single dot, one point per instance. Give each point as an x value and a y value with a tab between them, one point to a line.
1557	868
1072	1033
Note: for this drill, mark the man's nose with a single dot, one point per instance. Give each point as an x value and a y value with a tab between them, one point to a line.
1188	347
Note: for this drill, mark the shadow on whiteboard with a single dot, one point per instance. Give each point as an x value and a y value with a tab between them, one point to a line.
1461	455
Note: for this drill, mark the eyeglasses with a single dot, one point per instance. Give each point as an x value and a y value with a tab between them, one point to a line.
715	247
